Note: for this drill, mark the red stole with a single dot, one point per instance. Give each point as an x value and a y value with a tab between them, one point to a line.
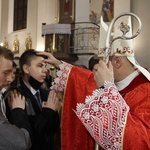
74	135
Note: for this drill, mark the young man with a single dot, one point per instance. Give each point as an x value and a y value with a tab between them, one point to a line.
41	106
16	135
114	114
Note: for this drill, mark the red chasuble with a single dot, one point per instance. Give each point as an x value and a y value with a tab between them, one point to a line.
74	135
112	121
137	131
76	83
132	134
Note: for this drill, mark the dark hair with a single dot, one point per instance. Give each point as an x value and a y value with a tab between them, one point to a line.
27	57
6	53
92	63
14	65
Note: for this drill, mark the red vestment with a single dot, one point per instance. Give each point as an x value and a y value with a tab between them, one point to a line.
137	132
133	126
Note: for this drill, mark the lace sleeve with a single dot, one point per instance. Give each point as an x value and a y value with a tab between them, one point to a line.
62	75
104	116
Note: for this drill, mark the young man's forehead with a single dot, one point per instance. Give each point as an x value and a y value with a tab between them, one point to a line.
38	60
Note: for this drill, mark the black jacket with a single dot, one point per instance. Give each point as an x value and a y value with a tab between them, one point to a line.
45	122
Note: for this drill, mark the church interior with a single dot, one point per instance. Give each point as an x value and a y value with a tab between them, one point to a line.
69	29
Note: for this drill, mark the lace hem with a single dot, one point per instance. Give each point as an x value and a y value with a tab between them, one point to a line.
60	81
104	116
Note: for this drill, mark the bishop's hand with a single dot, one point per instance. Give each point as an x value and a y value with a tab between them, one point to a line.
104	73
50	59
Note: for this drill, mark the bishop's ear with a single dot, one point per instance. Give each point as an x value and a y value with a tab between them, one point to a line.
117	61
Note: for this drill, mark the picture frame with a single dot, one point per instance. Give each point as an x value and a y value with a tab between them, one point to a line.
66	14
105	9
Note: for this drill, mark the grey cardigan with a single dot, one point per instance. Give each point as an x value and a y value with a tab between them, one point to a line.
11	136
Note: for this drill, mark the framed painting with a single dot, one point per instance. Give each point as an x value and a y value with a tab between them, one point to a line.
66	14
100	8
